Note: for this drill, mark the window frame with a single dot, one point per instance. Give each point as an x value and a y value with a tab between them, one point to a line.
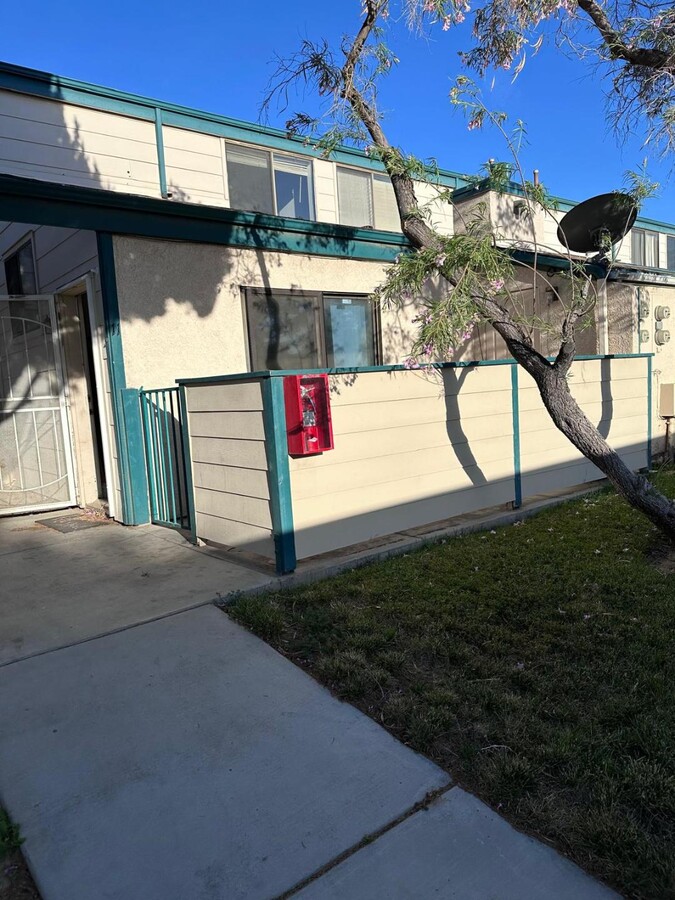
14	250
270	153
319	307
641	235
371	175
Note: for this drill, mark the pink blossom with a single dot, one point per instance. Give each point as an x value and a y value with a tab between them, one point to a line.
474	123
497	284
428	349
411	363
447	22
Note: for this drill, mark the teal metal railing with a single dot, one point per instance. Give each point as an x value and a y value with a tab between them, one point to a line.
165	457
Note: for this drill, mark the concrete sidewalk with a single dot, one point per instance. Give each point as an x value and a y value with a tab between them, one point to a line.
151	749
185	759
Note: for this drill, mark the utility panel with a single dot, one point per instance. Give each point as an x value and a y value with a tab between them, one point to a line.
667	401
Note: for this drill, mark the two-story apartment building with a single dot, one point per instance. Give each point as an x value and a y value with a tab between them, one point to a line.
153	242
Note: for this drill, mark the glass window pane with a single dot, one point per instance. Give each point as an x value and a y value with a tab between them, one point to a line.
651	249
27	269
348	322
637	247
384	200
283	331
248	178
671	253
292	181
355	198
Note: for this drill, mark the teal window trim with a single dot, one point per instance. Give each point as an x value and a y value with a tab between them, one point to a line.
189	483
131	470
515	412
161	162
279	476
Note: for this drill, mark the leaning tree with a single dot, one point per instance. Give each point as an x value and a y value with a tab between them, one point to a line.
473	267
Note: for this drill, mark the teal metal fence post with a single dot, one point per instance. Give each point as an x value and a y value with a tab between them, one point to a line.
137	506
189	486
281	501
515	413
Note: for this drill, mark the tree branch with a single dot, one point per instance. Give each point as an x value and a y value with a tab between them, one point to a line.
648	57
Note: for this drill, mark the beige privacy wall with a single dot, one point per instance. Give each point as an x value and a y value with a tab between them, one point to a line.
410	449
229	465
613	395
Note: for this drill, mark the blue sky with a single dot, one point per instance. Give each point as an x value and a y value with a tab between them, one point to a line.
216	56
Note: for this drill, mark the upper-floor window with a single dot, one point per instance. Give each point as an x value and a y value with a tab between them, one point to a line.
20	270
268	182
366	200
303	330
645	248
670	251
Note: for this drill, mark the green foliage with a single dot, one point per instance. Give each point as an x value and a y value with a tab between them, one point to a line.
10	835
534	662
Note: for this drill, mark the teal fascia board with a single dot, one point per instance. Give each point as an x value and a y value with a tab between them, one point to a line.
279	477
44	203
544	260
137	501
515	412
81	93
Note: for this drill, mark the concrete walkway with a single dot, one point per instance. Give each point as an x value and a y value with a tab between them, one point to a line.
183	758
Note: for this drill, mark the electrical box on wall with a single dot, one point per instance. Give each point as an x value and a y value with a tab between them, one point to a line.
308	419
661	312
662	337
667	401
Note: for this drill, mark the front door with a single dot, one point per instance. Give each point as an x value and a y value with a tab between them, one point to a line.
36	471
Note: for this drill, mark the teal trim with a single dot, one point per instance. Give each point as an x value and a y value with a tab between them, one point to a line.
515	412
69	90
45	203
360	370
116	373
546	261
134	450
281	502
161	163
189	484
649	410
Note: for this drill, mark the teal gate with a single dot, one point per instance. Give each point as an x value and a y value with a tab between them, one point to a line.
165	457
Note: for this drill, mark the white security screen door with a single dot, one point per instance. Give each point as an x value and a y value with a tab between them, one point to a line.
35	454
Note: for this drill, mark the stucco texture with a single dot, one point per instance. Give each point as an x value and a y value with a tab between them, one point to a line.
181	307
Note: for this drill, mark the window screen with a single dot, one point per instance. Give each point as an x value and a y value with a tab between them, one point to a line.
645	248
283	330
348	324
671	253
386	211
355	198
249	179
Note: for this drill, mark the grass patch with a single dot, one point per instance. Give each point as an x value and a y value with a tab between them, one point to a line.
534	662
10	835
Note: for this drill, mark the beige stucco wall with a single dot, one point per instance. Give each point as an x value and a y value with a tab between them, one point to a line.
181	307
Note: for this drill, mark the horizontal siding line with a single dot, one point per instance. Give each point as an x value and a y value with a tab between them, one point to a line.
69	237
206	462
439	422
525	430
248	496
150	142
225	437
417	399
204	153
204	172
218	412
64	277
85	174
377	454
380	484
266	531
80	151
490	485
561	467
638	441
89	177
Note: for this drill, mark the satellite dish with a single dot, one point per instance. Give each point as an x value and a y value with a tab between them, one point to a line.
597	223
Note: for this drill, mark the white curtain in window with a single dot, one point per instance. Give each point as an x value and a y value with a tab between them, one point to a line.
651	249
355	197
384	201
292	177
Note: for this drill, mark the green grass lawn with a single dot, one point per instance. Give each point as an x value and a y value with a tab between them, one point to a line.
535	663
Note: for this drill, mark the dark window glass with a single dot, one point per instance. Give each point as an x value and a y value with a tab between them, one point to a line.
671	253
20	271
283	330
249	179
292	184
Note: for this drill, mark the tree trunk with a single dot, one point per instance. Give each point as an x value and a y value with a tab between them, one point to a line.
569	418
